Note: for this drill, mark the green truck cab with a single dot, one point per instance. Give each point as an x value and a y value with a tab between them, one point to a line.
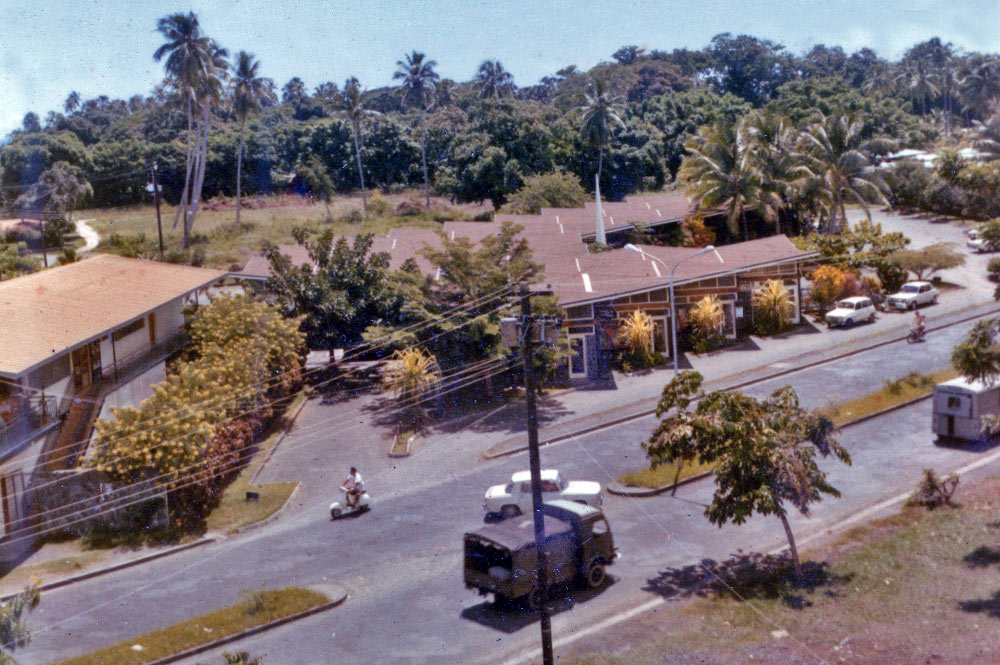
501	558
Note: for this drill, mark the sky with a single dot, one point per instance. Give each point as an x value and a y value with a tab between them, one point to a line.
51	47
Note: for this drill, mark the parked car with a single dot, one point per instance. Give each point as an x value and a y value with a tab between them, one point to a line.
850	311
914	294
982	245
514	498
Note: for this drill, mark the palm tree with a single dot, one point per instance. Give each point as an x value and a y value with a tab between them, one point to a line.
636	332
601	113
720	171
880	78
250	93
774	302
980	85
72	102
493	80
837	160
352	107
188	59
772	139
410	374
987	136
919	84
207	96
418	78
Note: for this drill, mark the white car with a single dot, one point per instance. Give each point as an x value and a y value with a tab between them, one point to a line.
912	295
850	311
981	245
514	498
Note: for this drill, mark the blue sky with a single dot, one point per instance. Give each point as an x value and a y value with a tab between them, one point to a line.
50	47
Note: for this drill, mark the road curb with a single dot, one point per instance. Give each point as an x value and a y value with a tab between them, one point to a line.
202	648
614	487
116	567
273	517
281	437
498	449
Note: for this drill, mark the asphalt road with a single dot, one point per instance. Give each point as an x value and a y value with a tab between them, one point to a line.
402	562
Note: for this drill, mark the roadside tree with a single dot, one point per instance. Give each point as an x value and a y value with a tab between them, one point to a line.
342	290
763	451
410	375
977	357
925	262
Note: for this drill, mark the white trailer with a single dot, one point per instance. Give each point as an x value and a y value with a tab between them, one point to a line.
959	406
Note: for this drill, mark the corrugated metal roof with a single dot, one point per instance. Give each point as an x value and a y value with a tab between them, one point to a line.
53	311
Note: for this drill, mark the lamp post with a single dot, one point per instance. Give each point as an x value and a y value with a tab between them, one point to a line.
670	272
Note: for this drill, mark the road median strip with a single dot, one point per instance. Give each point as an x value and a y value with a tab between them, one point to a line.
258	612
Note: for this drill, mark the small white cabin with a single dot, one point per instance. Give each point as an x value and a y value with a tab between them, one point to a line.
959	406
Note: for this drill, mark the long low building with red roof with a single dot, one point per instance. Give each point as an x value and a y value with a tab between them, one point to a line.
598	288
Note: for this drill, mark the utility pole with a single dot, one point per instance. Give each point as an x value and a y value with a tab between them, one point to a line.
534	463
156	200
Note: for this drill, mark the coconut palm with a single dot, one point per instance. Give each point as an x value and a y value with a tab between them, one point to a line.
207	97
987	136
188	60
72	102
602	112
352	107
880	78
979	82
418	79
772	141
720	171
919	83
493	80
250	93
774	302
837	160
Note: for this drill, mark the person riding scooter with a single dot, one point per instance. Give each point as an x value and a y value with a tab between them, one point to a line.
919	324
354	487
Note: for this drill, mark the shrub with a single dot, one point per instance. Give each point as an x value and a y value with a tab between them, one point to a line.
828	285
772	305
934	492
636	332
696	232
993	268
546	190
378	205
892	276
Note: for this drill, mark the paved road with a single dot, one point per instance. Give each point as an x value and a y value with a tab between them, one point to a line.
401	563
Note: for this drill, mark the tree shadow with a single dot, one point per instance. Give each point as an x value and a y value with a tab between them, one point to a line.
511	617
749	575
982	557
988	606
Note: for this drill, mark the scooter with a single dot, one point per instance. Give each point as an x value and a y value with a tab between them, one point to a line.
915	336
340	508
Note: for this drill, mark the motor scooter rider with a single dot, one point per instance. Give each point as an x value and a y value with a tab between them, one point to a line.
919	324
355	487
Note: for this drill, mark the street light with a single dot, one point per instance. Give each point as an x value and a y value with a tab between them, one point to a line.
670	271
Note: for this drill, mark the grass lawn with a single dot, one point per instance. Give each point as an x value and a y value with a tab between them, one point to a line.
272	220
894	591
896	392
53	561
257	608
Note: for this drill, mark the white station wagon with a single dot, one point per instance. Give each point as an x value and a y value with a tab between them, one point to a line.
514	498
850	311
913	294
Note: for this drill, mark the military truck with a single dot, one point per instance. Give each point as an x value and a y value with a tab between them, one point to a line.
501	558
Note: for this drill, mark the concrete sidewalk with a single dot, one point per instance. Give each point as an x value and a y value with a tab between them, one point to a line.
570	413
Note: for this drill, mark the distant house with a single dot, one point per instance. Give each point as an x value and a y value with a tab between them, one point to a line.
69	334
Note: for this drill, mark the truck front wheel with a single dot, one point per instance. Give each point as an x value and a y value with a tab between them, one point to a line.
595	575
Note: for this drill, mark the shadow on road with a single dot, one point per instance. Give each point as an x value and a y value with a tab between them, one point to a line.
510	618
748	575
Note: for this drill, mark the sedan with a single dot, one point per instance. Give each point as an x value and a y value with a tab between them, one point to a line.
514	498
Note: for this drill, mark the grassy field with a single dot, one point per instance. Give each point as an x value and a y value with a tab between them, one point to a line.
268	219
897	590
896	392
257	608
